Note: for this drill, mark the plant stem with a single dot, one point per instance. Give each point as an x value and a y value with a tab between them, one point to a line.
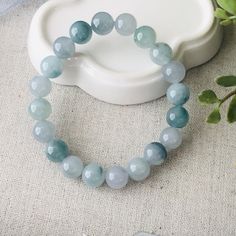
227	97
232	17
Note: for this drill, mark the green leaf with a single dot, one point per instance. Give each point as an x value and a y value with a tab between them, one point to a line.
232	111
221	14
226	22
226	81
228	5
214	117
208	97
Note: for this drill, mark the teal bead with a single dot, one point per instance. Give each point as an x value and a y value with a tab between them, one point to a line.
40	109
72	167
102	23
44	131
81	32
155	154
51	67
174	72
63	47
138	169
177	117
171	138
57	150
125	24
40	86
161	53
145	37
178	94
93	175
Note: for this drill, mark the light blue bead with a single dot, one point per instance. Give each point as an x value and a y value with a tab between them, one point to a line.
155	154
80	32
40	109
93	175
145	37
117	177
177	117
125	24
51	67
171	138
56	150
44	131
102	23
72	167
40	86
174	72
138	169
161	53
178	94
63	47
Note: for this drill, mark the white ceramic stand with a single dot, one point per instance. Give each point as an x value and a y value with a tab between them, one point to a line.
112	68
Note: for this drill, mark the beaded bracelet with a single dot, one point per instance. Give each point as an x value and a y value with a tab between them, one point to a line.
155	153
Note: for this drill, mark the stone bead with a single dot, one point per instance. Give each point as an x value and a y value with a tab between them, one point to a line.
177	117
117	177
102	23
174	72
155	154
56	150
93	175
40	109
72	167
138	169
44	131
51	67
161	53
125	24
40	86
81	32
171	138
64	48
178	94
145	37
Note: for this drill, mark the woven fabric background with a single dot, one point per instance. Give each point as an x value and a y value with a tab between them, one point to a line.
194	193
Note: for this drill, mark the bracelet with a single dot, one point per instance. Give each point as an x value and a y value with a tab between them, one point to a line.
155	153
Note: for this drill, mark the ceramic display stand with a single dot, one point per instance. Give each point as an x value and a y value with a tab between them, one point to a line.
112	68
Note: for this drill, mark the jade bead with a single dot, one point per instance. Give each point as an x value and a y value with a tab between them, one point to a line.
102	23
177	117
161	53
145	37
40	86
81	32
44	131
64	48
138	169
125	24
57	150
40	109
72	167
93	175
51	67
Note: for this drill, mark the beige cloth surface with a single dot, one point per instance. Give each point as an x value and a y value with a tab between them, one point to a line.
194	193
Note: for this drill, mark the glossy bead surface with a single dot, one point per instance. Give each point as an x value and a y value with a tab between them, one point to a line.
178	94
40	109
155	153
138	169
161	53
56	150
177	117
72	167
44	131
174	72
93	175
125	24
40	86
171	138
117	177
145	37
51	67
81	32
63	47
102	23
